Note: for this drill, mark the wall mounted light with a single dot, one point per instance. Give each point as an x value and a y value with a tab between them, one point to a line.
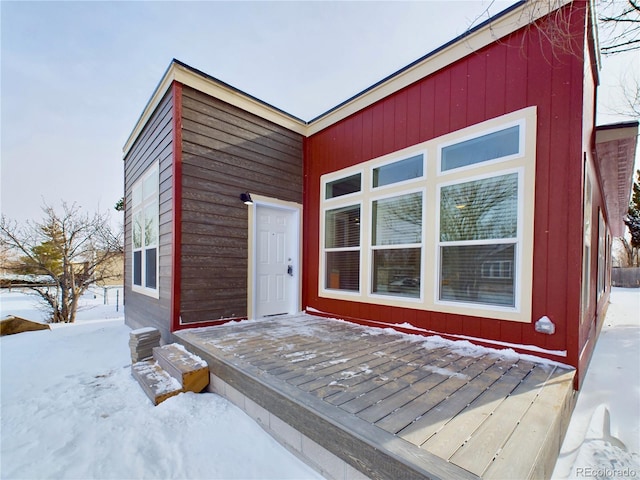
545	325
246	198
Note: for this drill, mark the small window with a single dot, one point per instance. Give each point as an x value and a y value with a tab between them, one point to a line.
343	186
494	145
400	171
342	248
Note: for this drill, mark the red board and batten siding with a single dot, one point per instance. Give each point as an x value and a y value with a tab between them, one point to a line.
519	71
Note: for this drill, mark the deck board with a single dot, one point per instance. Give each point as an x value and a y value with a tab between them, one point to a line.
415	410
490	437
459	428
419	431
393	405
388	372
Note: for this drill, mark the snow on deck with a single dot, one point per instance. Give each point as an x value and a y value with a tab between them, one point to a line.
465	406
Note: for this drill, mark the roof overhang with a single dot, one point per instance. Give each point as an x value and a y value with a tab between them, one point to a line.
615	156
506	22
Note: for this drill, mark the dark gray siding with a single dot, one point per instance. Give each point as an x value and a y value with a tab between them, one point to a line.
226	151
155	143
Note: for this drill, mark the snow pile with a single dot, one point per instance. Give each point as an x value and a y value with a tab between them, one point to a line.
71	409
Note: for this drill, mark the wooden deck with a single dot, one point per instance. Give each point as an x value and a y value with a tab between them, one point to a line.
396	406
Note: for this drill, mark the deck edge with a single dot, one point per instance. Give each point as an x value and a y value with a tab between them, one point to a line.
358	447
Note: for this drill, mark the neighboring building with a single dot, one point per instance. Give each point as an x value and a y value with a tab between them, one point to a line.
112	272
469	194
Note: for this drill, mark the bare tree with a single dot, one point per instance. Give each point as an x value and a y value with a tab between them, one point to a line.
618	23
620	26
72	250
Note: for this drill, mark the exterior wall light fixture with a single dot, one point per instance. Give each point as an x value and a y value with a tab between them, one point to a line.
246	198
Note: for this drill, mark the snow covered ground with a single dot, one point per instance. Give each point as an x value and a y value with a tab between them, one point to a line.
70	409
603	440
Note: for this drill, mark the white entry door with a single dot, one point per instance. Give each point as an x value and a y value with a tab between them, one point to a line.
276	269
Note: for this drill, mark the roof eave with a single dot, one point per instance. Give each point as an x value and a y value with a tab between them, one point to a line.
191	77
615	147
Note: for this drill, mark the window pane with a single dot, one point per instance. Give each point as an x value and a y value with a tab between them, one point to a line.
150	185
398	171
344	186
397	220
150	268
137	268
151	225
343	270
479	210
397	272
487	147
136	196
137	230
342	227
478	274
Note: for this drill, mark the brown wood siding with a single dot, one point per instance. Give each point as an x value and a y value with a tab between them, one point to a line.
226	151
155	143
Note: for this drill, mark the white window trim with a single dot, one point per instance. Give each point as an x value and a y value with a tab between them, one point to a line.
153	170
430	183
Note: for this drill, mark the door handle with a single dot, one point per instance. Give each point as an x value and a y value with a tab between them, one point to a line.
290	270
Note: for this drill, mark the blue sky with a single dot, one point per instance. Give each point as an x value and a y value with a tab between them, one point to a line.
76	75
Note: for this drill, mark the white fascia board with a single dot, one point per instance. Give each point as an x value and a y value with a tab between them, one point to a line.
238	99
185	76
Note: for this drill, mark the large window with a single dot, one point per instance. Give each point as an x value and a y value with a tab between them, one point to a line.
478	238
144	211
396	245
586	243
445	225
